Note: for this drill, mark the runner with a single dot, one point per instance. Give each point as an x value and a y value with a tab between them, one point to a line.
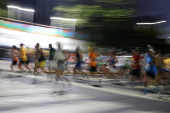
136	68
151	69
93	64
41	60
79	58
36	54
52	52
60	57
14	56
23	58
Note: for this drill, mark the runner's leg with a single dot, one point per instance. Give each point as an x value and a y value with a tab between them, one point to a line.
26	66
11	66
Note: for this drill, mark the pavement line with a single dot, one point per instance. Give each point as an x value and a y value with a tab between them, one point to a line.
109	90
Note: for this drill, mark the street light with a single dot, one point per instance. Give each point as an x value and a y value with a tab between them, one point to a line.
151	23
63	19
23	9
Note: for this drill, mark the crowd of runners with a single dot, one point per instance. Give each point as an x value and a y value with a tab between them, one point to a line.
150	68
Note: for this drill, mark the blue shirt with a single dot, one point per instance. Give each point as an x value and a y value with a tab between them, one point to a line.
152	66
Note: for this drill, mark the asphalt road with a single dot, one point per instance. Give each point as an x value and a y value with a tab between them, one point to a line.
27	93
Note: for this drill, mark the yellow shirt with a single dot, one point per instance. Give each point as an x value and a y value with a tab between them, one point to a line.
23	53
167	62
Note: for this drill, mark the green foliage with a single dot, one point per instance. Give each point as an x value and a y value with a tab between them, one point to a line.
3	12
3	8
105	19
87	14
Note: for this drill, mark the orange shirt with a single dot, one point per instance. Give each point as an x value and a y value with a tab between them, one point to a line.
92	57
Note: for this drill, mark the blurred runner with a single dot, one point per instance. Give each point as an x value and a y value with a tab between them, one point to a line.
167	64
23	57
14	56
135	68
37	52
151	69
60	57
52	52
41	60
93	64
79	58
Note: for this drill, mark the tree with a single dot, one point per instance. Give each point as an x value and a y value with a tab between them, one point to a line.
3	8
104	11
100	18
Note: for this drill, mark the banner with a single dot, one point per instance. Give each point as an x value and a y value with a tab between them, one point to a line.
42	30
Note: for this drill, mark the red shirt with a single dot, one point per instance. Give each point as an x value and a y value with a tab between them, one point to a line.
136	61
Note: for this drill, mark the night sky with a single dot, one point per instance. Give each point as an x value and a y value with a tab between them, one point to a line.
159	9
24	3
156	8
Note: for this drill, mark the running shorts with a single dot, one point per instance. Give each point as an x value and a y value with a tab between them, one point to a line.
61	65
150	74
93	69
14	63
78	65
135	72
41	64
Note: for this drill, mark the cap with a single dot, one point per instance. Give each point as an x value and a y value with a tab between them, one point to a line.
90	48
137	49
150	48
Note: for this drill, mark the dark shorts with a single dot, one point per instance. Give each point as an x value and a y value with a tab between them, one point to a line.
41	59
78	65
27	62
93	69
51	59
152	75
135	72
22	62
14	63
